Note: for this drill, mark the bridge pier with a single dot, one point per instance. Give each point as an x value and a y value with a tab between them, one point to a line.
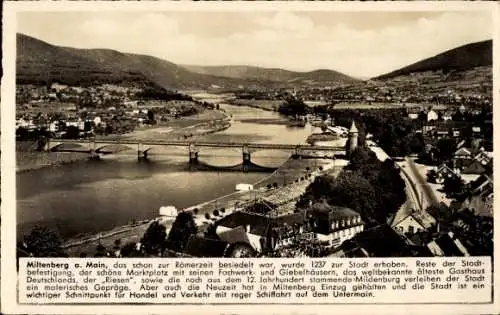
193	154
246	158
297	154
93	155
246	155
142	155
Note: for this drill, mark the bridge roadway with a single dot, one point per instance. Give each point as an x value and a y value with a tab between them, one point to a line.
203	144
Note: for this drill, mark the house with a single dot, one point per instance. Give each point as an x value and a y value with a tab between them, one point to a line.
447	115
447	245
483	157
432	115
480	200
441	131
414	222
481	163
97	120
58	87
414	112
455	132
462	157
334	224
379	241
477	167
444	171
259	231
54	126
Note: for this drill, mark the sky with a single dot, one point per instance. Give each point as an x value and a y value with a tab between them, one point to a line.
360	44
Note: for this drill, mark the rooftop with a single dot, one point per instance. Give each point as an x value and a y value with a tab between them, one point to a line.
353	128
334	212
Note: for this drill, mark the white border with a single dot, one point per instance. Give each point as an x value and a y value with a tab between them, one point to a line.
8	164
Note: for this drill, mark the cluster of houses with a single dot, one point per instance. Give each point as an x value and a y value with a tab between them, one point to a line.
246	232
473	168
104	95
92	110
441	121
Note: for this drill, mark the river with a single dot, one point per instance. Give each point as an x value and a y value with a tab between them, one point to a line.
93	196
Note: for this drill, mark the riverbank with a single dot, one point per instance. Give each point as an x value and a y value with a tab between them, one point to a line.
285	184
206	122
30	161
319	137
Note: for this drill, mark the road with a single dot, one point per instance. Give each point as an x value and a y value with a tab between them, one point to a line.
428	198
413	201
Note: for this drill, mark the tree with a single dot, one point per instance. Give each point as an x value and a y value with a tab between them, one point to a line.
445	149
293	106
72	132
100	249
431	176
453	186
22	134
43	242
130	250
362	159
182	228
375	190
154	238
151	115
352	190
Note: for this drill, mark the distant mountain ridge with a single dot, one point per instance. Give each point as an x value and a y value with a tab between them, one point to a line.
273	74
462	58
39	62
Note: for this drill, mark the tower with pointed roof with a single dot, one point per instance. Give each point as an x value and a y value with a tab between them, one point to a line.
353	138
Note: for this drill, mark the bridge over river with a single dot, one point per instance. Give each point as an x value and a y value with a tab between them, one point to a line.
95	148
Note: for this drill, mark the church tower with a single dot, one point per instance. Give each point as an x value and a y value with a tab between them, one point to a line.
353	138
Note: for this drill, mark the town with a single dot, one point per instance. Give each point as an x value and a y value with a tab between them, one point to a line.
441	153
124	154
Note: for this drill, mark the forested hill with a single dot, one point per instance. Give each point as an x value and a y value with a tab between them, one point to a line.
39	62
321	76
461	58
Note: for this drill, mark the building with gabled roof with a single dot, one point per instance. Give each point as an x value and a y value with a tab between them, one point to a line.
414	222
480	200
334	224
261	232
447	245
444	171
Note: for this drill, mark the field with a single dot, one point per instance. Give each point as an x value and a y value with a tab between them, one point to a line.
196	125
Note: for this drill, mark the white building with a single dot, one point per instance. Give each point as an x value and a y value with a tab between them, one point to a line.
414	222
334	224
432	115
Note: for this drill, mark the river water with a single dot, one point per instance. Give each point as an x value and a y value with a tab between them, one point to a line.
94	196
